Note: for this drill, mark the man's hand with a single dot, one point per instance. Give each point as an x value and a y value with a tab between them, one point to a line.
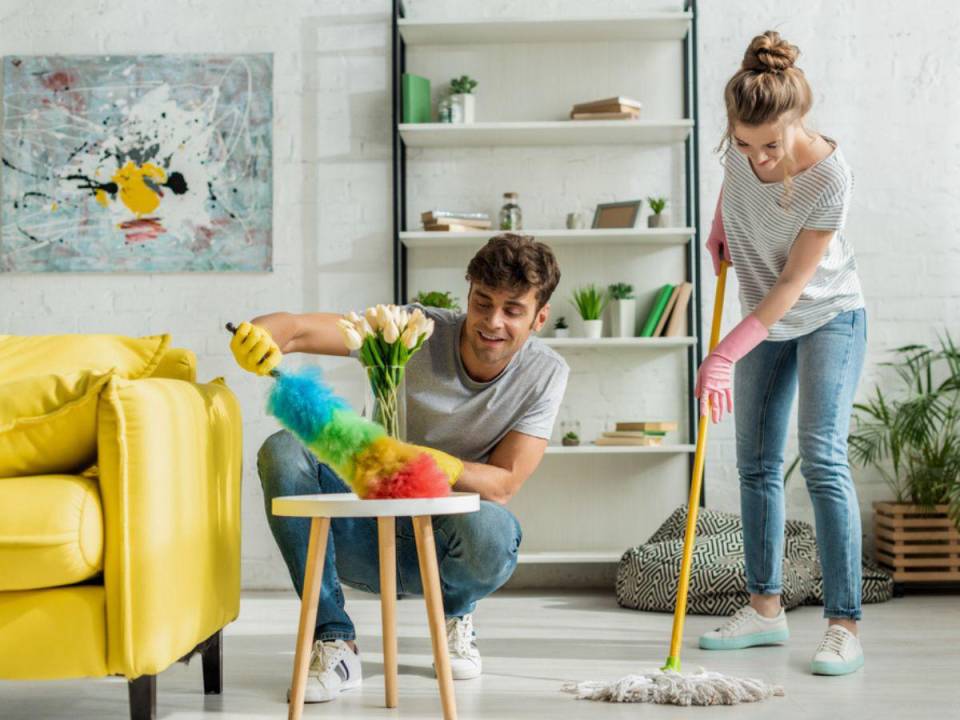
254	349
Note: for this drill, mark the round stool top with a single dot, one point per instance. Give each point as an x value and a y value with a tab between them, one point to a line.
349	505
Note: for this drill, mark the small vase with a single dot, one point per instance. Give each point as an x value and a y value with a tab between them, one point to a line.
659	220
385	399
467	105
593	329
622	317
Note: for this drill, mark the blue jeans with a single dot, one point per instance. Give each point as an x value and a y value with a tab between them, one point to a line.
476	552
826	364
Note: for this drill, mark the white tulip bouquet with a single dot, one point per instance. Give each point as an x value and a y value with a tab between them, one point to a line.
387	337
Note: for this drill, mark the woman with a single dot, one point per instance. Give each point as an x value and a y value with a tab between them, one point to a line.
780	221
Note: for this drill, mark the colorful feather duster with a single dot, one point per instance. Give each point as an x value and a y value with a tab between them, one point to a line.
374	464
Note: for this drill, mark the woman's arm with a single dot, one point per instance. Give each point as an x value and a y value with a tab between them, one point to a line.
802	262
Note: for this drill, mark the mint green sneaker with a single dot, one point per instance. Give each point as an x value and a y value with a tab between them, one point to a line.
747	628
839	653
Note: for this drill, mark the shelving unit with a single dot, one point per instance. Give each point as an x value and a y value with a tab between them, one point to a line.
647	135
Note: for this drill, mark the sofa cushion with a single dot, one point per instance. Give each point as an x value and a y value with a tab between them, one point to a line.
177	364
55	537
24	356
48	423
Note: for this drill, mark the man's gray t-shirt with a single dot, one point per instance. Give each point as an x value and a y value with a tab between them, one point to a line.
448	410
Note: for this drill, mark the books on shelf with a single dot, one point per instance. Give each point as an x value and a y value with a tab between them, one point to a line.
615	108
668	314
642	441
654	426
416	98
454	221
622	115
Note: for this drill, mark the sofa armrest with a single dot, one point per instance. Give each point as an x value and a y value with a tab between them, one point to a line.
170	472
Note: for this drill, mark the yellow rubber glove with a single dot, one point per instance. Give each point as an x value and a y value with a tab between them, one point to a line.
450	465
254	349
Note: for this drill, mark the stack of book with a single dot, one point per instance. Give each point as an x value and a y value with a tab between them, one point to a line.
637	433
451	221
668	314
615	108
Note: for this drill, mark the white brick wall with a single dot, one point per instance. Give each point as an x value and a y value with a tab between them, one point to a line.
885	78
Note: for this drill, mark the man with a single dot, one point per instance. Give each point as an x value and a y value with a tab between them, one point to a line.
480	389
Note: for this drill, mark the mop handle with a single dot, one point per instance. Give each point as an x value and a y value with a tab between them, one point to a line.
693	504
233	331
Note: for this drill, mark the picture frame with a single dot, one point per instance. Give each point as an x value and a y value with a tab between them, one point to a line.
617	215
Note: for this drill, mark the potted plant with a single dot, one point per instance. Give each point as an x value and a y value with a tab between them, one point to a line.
590	302
462	98
912	438
571	439
560	328
623	310
438	299
657	219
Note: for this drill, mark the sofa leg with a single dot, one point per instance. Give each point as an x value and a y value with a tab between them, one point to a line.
143	697
212	653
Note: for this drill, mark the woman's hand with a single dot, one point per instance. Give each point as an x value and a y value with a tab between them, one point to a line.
717	241
714	382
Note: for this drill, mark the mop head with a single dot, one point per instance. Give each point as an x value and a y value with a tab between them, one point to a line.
672	688
373	464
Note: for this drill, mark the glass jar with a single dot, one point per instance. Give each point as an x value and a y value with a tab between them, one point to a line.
444	111
511	217
385	399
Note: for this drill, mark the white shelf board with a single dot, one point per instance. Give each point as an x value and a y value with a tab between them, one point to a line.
647	26
546	132
572	556
634	342
620	449
618	236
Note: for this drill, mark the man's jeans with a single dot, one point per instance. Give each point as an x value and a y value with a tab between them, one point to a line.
827	365
476	552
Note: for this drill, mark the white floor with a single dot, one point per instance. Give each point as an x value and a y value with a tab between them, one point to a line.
531	645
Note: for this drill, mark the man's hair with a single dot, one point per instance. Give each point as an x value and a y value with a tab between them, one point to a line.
516	262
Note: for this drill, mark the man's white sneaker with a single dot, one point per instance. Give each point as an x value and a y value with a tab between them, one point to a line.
747	628
334	668
465	662
839	653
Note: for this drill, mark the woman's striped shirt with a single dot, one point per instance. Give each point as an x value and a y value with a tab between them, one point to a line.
762	220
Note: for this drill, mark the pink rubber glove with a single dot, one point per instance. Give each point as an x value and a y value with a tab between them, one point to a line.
717	242
713	379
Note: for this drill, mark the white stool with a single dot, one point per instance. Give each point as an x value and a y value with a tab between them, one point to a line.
323	507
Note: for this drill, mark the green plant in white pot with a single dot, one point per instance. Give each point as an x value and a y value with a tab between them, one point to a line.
462	98
623	310
560	328
657	218
590	302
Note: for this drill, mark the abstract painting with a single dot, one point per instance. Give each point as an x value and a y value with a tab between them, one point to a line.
148	163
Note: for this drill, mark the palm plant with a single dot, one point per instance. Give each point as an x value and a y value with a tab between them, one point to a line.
590	302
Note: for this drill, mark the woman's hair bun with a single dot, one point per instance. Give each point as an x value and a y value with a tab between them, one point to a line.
770	53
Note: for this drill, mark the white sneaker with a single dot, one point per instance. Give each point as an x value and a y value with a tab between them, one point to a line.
334	668
747	628
465	662
839	653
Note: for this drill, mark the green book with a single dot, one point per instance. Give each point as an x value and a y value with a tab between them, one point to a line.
659	304
416	99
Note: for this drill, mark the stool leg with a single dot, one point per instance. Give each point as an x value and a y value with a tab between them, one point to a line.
430	575
319	528
388	604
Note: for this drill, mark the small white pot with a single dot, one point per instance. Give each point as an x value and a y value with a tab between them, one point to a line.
593	329
623	317
561	332
467	104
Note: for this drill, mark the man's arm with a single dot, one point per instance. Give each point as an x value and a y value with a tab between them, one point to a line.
315	333
512	461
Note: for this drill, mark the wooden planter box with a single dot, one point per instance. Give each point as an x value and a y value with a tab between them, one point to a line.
918	545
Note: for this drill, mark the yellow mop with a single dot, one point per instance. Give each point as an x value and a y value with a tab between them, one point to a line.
668	686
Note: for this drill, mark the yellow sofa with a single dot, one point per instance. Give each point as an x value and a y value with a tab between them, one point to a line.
122	565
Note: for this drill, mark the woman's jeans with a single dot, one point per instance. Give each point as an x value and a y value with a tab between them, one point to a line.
827	364
476	552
